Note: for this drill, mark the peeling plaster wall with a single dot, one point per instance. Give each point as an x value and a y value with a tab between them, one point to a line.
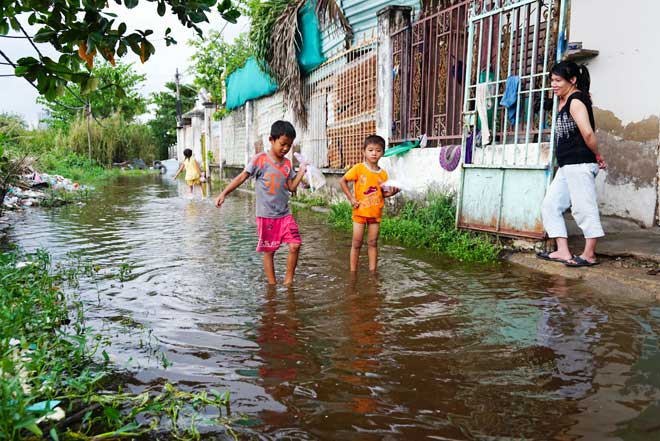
421	169
626	100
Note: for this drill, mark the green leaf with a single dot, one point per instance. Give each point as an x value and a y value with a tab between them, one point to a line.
130	4
31	425
51	90
21	70
111	414
89	85
135	47
232	15
161	8
53	434
197	17
121	49
15	25
44	35
27	61
4	27
128	428
119	93
122	28
226	4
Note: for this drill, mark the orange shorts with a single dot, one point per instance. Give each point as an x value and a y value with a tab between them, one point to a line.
365	220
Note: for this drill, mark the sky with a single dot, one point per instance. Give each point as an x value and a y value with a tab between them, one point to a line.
17	96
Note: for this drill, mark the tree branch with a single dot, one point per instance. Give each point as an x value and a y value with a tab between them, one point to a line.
31	41
11	63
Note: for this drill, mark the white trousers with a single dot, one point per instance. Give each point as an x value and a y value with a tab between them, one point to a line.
574	186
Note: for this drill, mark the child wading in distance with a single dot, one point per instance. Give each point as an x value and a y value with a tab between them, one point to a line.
193	172
275	178
368	200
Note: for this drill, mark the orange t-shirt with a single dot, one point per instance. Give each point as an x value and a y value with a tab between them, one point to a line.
366	184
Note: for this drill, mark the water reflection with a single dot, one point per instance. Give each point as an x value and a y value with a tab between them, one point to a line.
429	349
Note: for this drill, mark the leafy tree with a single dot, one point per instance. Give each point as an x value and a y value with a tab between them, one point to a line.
163	125
12	127
80	31
104	100
215	59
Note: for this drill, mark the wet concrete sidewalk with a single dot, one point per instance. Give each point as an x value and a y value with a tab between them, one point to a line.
622	239
629	256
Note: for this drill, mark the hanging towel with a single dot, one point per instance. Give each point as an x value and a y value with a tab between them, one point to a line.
510	97
482	111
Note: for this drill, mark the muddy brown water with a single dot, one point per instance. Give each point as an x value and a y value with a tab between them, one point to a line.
430	348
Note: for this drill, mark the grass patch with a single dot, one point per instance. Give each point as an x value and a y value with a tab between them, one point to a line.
56	379
309	200
81	169
428	225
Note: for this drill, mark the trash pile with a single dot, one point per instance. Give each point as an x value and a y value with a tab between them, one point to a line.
30	189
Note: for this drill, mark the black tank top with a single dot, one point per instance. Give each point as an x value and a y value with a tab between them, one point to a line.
570	147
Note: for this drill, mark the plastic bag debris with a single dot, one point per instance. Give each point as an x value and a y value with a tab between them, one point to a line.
313	175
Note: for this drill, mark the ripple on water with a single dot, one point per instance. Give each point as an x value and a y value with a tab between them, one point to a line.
430	348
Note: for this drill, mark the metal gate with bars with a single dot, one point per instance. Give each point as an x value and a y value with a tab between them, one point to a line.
428	60
507	150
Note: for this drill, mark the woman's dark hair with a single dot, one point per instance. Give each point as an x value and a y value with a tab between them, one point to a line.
374	139
569	69
187	153
282	128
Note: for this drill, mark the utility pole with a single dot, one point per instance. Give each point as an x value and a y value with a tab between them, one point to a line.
88	112
178	98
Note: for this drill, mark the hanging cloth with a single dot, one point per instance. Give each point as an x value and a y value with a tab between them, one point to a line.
482	111
510	97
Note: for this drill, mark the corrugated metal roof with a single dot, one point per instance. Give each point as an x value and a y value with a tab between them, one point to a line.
361	14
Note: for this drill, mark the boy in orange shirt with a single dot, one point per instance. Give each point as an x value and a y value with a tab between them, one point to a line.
368	201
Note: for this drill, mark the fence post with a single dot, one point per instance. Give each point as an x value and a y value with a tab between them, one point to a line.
390	19
249	138
209	107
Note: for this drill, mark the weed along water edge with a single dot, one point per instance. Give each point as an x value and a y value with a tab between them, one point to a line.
428	348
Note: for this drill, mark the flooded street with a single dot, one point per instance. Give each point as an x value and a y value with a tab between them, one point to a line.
430	348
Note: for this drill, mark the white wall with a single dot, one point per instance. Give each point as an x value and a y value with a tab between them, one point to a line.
420	168
624	82
197	129
624	75
232	138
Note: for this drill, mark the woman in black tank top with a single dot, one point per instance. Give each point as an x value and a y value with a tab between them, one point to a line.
574	184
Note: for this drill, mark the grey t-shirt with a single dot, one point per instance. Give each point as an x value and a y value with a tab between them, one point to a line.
271	185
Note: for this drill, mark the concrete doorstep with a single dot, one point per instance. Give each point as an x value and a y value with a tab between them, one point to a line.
627	254
617	277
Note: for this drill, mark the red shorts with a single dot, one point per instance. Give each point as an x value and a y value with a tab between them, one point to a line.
274	232
365	220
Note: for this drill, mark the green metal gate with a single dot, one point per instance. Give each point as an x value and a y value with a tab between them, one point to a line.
508	151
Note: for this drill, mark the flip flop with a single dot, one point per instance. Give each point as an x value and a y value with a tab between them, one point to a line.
546	256
579	261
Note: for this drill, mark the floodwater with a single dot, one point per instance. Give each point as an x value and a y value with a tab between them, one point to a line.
430	348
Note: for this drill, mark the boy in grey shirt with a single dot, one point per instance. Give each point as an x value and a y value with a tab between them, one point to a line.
275	179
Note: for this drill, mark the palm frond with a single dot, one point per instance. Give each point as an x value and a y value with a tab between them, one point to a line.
283	60
329	10
275	35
